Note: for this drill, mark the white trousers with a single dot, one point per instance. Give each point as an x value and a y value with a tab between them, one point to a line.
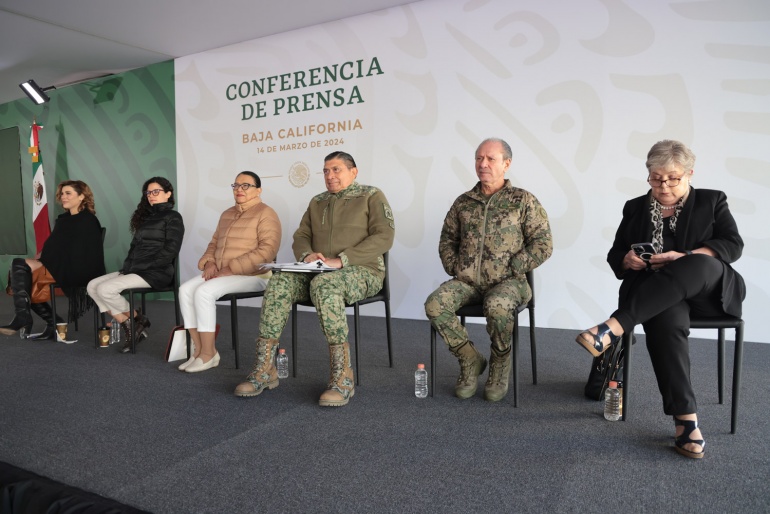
105	291
197	298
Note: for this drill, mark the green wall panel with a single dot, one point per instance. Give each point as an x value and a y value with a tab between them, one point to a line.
13	237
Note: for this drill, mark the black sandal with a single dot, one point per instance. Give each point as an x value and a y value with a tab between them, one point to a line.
689	427
593	342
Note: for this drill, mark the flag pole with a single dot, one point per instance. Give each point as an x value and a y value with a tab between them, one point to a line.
40	219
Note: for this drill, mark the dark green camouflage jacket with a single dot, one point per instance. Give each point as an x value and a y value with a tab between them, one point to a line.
355	224
485	242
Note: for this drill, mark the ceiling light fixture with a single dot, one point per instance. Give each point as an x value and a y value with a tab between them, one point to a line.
35	92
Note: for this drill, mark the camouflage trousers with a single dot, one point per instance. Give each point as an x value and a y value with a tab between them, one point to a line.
499	301
329	292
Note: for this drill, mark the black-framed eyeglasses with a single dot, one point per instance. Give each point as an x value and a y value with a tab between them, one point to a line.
243	187
154	192
671	182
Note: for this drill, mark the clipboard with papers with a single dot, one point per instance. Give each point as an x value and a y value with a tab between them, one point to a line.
316	266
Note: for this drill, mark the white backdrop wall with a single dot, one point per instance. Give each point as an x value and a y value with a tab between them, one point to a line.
579	89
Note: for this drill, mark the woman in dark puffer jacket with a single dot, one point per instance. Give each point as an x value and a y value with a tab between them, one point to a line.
158	231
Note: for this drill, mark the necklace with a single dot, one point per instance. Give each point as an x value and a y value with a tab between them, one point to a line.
664	208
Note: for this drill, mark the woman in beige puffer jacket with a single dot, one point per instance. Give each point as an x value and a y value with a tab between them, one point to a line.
247	236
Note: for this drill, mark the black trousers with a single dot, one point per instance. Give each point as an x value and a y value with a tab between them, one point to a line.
662	302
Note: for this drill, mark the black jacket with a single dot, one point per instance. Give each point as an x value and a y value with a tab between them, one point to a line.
155	246
705	220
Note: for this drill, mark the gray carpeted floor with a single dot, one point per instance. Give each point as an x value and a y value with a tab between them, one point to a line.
133	428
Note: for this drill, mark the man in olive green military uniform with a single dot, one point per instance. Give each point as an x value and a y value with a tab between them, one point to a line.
492	236
349	227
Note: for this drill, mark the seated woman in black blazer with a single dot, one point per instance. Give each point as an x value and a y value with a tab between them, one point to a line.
694	239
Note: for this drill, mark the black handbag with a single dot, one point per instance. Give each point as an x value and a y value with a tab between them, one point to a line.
604	368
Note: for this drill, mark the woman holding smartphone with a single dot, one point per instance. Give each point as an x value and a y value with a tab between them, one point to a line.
695	239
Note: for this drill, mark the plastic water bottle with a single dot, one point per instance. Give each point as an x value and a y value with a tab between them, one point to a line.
115	332
421	382
282	363
612	402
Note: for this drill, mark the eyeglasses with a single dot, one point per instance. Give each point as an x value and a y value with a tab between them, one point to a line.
671	182
154	192
244	187
335	170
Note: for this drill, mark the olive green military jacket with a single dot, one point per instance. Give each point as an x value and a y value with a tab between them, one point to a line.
355	224
484	242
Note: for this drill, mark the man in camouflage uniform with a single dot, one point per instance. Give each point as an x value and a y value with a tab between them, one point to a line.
492	235
349	227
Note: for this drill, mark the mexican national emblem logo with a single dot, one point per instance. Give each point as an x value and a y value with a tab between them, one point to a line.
299	174
37	192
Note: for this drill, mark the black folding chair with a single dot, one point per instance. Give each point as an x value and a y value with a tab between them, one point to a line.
233	299
477	311
721	324
382	296
143	291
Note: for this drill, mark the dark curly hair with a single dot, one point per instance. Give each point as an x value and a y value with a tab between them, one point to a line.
144	209
80	188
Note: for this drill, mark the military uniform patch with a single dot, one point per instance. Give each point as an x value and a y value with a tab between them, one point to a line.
389	215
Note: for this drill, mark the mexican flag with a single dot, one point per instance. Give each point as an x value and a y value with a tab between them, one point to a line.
39	198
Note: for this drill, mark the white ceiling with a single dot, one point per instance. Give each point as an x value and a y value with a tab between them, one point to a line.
58	42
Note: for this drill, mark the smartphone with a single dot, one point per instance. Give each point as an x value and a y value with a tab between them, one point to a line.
643	250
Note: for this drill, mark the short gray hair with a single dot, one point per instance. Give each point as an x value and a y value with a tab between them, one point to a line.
507	154
669	151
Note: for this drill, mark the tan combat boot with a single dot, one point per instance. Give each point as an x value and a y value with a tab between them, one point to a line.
264	374
499	373
472	364
341	386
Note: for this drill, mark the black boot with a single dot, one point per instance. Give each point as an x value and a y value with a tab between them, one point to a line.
127	336
44	311
141	323
21	285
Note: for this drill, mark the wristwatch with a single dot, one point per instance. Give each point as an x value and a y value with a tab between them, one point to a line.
688	252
